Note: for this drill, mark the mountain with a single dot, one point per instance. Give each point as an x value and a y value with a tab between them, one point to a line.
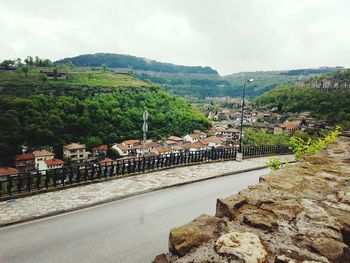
195	81
133	63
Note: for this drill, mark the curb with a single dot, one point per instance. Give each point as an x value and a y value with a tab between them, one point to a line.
110	200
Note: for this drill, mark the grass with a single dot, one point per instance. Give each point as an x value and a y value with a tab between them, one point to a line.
76	77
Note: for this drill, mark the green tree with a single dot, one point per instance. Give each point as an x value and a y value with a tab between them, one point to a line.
104	67
55	73
25	71
8	63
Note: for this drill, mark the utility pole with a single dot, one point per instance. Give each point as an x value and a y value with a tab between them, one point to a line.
145	127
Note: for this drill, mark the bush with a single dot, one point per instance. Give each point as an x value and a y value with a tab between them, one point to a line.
274	164
308	147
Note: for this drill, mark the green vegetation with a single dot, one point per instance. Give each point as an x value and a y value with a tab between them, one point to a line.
132	62
338	76
256	138
274	164
333	107
194	81
303	147
91	106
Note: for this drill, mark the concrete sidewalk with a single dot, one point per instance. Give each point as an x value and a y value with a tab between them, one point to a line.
57	202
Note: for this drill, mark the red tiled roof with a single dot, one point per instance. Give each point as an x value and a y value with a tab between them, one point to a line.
175	138
54	162
131	141
212	139
22	157
42	153
8	171
107	161
195	145
100	148
163	149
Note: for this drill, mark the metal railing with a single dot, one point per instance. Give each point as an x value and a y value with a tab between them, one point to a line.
39	181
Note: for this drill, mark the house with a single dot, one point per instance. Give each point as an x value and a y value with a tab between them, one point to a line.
192	147
121	149
5	171
54	164
211	142
231	134
195	136
53	75
75	152
107	162
286	128
176	139
41	156
25	162
131	143
99	151
162	150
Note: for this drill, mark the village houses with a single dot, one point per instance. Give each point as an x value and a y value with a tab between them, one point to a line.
75	152
25	162
41	156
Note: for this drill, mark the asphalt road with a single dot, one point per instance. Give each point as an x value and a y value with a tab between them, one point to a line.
126	231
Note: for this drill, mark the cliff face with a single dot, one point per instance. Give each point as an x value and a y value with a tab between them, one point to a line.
327	85
297	214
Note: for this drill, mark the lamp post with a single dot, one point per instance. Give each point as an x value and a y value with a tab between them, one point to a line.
242	109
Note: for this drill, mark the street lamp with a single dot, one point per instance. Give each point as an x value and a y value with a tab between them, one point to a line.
242	108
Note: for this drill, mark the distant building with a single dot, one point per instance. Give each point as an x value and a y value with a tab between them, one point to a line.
192	147
75	152
121	149
41	156
211	142
287	128
54	164
25	162
5	171
162	150
195	136
99	151
131	143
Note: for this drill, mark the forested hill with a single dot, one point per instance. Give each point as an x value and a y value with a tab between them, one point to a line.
133	63
333	107
90	106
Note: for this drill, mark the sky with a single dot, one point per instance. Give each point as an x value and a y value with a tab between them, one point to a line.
227	35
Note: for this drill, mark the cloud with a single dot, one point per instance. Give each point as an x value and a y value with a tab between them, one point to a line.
228	35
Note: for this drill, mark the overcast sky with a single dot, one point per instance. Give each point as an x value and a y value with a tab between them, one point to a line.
228	35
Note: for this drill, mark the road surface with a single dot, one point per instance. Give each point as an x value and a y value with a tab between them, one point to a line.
126	231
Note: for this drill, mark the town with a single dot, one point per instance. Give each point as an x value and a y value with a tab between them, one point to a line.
225	133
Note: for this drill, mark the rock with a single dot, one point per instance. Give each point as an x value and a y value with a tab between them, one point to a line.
298	214
160	259
258	218
229	206
333	250
202	229
245	246
283	259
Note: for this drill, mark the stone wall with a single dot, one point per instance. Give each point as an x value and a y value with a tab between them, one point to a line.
300	213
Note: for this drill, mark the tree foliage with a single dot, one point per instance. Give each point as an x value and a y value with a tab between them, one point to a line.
107	118
333	107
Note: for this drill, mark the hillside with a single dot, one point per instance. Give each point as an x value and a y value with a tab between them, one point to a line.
103	108
195	81
333	107
267	80
132	62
